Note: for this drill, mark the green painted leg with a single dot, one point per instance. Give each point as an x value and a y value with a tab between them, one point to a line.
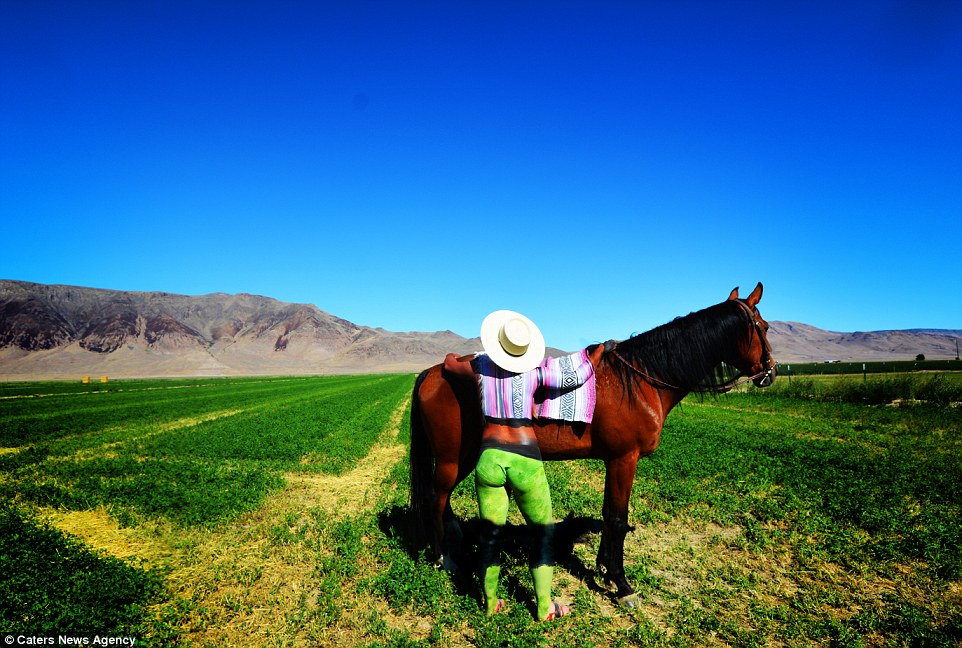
491	575
542	588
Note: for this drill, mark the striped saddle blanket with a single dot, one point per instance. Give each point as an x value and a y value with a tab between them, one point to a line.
569	403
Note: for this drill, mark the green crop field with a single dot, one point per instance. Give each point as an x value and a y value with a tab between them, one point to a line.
273	512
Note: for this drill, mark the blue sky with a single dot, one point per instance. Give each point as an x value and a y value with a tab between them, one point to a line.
600	167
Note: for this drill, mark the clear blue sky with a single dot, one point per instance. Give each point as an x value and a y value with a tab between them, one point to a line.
601	167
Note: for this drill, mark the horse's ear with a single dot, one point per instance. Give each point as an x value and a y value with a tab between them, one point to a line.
756	295
734	294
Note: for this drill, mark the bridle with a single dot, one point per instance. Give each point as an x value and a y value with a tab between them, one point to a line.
766	360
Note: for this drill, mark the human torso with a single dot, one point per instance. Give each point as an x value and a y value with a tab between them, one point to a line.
507	403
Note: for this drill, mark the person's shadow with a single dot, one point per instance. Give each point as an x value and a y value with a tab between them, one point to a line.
515	541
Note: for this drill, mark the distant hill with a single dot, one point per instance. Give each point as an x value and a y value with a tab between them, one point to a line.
53	331
794	342
65	332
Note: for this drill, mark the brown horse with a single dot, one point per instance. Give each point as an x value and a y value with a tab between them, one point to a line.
638	382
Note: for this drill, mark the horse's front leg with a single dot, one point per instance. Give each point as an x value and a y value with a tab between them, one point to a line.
619	477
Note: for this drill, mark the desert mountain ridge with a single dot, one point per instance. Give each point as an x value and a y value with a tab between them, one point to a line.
64	332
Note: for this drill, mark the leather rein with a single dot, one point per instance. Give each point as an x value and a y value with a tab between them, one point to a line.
766	359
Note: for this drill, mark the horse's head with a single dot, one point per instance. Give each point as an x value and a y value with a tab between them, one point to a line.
755	355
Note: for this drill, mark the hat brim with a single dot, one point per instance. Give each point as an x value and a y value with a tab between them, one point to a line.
491	327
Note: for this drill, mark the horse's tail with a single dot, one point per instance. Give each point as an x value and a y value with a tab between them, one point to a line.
422	468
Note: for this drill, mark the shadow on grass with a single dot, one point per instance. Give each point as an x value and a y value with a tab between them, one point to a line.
516	546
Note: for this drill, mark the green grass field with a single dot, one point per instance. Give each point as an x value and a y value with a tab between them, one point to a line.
214	512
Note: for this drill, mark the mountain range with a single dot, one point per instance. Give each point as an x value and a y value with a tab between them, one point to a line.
65	332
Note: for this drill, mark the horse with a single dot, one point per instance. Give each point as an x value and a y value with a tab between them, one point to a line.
638	382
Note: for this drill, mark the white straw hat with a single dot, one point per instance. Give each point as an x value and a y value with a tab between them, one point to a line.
512	341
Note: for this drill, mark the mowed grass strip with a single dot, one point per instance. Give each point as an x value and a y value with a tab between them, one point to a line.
182	496
75	416
207	472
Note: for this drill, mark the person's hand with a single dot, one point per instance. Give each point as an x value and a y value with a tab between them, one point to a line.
459	366
595	356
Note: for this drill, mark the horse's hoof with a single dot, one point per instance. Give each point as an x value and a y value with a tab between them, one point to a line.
631	601
447	564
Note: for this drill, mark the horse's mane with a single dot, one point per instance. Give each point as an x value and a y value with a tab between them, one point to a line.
686	353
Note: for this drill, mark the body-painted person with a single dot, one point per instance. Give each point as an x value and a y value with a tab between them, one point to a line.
509	372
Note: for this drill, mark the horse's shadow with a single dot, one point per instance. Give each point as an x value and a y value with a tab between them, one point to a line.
515	541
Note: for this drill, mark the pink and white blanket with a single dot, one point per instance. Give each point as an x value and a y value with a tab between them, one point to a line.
571	402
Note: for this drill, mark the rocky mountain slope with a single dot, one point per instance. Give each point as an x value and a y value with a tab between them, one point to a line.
51	331
54	331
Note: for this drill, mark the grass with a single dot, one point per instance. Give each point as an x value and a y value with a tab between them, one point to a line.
769	517
934	388
116	593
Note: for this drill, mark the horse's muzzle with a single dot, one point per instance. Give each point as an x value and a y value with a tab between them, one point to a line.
767	378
